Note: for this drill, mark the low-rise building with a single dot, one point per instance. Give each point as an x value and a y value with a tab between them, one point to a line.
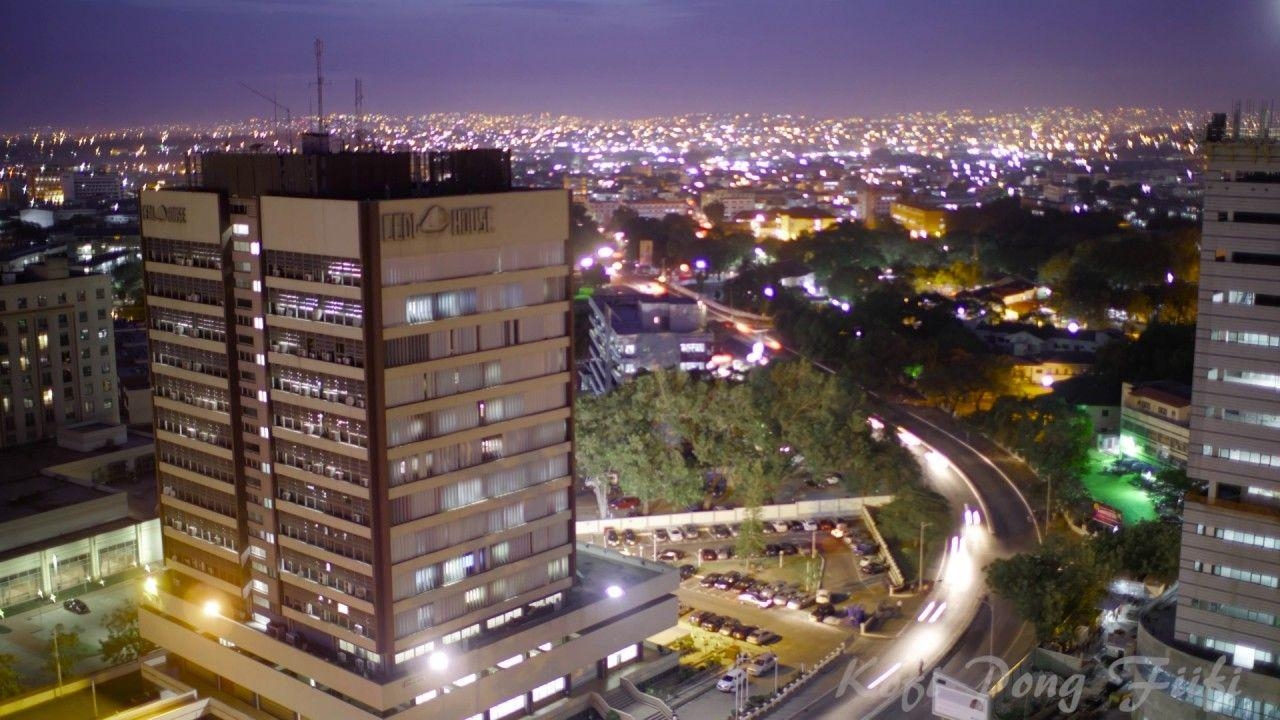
632	331
788	223
1155	421
922	222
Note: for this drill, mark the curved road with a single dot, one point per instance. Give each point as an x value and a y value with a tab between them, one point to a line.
864	687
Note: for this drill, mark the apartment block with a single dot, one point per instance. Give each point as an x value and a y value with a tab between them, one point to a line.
363	406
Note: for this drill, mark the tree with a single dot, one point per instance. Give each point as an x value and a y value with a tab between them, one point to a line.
714	211
10	680
633	433
1169	488
808	410
750	541
64	651
1146	550
123	642
1056	587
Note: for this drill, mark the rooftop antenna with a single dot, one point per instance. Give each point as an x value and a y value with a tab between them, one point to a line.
1235	121
320	127
276	107
359	110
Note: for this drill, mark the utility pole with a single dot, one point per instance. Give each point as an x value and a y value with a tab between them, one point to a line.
57	659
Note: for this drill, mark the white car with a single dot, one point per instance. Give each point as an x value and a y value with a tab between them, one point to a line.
763	663
691	532
675	533
780	526
809	524
823	597
736	677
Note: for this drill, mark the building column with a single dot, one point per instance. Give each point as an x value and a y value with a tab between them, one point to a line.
46	579
95	563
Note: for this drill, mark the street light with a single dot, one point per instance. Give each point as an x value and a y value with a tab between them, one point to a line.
438	661
212	608
614	592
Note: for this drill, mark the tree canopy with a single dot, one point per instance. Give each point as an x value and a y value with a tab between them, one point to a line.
1056	588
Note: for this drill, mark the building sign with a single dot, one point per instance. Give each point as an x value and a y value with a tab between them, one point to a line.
436	220
164	213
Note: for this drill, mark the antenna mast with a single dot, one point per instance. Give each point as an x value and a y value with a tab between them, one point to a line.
359	110
319	87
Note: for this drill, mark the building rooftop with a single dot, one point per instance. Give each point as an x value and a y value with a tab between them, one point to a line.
1170	393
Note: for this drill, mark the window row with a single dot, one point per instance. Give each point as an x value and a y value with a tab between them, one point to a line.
497	591
181	252
463	340
322	462
318	386
334	613
477	525
318	424
491	485
339	505
465	378
415	428
322	573
317	308
190	289
196	462
484	299
443	574
317	346
475	452
478	261
319	535
314	268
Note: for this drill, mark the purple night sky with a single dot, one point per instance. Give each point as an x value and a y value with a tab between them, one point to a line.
108	64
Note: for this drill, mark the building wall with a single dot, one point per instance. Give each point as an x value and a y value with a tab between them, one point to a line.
57	357
1231	534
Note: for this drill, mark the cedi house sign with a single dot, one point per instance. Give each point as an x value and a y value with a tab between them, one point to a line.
437	220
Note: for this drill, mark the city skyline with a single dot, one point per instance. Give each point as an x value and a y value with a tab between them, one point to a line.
86	65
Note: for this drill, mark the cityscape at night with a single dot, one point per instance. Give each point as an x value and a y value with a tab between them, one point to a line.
643	360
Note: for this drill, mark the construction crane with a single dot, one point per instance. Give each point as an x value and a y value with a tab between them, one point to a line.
276	107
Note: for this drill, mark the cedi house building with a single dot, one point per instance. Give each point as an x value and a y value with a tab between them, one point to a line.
363	413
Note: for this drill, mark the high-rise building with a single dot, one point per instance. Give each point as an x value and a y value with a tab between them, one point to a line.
85	186
1228	594
57	352
363	400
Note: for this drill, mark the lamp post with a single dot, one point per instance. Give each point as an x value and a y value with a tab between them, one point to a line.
57	658
920	568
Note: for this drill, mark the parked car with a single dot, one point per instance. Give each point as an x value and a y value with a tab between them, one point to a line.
691	532
744	583
676	534
709	580
672	555
625	503
767	528
735	529
780	526
629	537
800	601
761	664
809	525
763	637
820	612
823	596
729	626
795	526
611	537
826	524
724	553
707	554
742	631
875	568
686	572
754	598
76	605
735	678
721	532
661	535
788	549
713	623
